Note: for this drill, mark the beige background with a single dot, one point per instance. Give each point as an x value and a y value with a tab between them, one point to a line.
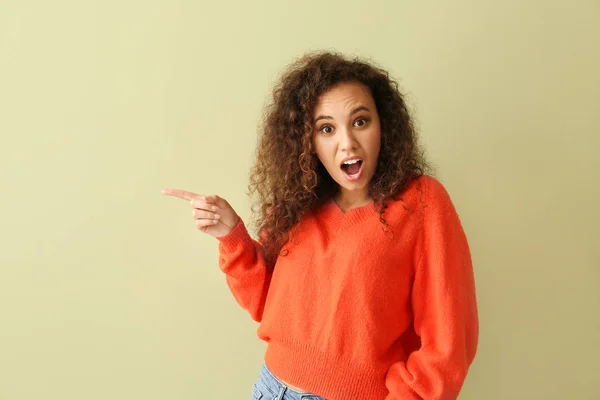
107	291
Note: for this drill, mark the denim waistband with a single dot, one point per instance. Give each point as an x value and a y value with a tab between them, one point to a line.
278	390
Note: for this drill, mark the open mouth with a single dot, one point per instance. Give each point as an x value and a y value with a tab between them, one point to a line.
352	168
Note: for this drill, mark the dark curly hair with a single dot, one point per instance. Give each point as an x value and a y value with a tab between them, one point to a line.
288	177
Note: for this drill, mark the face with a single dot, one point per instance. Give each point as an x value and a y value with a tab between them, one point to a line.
347	137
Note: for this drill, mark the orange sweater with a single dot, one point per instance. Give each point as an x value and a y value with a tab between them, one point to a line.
353	313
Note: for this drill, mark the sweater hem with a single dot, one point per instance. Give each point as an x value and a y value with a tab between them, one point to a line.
334	378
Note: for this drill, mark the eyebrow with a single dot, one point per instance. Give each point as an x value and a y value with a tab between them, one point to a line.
357	109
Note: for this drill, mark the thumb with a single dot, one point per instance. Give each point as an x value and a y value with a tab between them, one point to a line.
216	200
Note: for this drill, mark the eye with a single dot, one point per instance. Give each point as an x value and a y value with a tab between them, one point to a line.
324	129
363	120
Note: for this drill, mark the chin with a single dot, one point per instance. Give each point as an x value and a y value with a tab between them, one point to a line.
353	186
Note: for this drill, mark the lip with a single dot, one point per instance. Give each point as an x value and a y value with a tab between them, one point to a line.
356	176
350	159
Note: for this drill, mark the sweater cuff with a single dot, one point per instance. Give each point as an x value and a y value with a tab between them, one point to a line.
238	235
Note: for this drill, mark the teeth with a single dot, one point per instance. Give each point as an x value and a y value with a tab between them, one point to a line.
351	162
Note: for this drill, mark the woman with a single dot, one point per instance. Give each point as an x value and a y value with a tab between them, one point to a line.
361	278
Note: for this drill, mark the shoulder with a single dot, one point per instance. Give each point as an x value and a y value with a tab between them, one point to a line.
421	193
435	193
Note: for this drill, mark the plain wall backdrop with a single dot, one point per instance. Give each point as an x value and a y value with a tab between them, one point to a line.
107	290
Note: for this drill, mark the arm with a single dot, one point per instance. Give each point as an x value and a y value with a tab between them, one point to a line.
444	306
242	260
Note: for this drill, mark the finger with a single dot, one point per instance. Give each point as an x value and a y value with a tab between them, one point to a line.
205	223
216	200
203	205
182	194
201	214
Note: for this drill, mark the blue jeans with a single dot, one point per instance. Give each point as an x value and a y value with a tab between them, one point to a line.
268	387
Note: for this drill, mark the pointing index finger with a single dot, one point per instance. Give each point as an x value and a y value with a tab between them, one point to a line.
181	194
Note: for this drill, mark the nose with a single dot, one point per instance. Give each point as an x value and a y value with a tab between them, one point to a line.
347	140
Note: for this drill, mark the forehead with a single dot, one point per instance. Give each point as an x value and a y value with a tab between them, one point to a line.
344	95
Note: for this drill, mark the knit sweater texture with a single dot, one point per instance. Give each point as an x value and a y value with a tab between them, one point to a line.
357	310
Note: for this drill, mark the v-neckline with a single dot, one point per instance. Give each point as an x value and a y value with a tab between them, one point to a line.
331	210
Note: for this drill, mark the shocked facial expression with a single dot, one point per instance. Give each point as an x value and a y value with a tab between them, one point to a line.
347	136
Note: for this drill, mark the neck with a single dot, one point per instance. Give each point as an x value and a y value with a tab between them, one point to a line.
347	200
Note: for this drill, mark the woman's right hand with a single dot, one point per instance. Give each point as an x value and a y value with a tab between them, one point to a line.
212	214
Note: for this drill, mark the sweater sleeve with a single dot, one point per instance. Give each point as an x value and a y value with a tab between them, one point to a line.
444	307
242	260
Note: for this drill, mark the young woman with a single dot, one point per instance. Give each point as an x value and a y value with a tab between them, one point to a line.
361	278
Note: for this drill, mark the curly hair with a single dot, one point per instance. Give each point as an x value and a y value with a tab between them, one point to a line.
288	177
